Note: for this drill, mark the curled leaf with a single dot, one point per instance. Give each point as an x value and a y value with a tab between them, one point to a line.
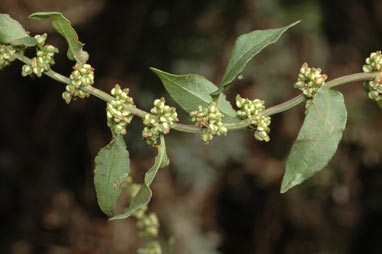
63	26
144	194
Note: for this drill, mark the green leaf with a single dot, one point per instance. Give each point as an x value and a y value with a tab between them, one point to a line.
111	170
245	48
12	32
63	26
144	194
192	90
318	138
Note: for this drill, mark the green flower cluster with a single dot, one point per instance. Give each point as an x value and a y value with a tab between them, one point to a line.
82	76
248	108
117	116
44	59
160	121
309	81
374	87
252	108
210	119
7	55
148	225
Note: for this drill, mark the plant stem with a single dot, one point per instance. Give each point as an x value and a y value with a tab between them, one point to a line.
230	126
301	98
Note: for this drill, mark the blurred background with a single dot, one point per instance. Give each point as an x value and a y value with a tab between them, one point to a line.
222	198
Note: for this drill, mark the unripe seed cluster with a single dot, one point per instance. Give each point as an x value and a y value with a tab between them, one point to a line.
44	58
81	76
374	87
148	226
248	108
7	55
262	128
117	116
252	108
160	121
210	119
309	81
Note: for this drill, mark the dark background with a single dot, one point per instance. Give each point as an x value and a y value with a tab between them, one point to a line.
223	198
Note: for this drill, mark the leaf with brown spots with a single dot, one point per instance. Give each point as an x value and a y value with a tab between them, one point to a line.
11	32
110	173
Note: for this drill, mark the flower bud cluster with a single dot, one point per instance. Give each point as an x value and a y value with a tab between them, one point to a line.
82	76
117	116
262	128
148	225
309	81
252	108
160	121
374	87
210	119
248	108
44	59
7	55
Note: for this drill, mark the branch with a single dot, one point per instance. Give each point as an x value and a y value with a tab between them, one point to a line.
230	126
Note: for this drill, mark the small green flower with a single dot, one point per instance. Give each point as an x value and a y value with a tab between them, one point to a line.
374	87
7	55
248	108
41	39
148	226
210	119
262	128
117	116
252	108
82	76
309	81
44	58
160	121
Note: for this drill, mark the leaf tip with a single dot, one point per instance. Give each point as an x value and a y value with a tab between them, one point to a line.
153	69
288	183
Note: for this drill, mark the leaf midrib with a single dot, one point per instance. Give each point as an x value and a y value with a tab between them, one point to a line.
239	60
110	168
182	87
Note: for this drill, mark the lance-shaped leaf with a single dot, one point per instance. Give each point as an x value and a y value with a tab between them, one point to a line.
245	48
192	90
63	26
318	138
112	166
144	194
12	32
